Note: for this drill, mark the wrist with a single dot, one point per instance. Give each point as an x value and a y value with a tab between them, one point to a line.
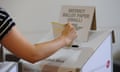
65	40
62	40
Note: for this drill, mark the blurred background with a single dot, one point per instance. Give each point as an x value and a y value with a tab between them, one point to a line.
33	17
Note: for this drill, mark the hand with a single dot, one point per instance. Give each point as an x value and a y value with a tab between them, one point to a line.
69	33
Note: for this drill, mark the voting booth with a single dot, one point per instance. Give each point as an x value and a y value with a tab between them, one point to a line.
92	51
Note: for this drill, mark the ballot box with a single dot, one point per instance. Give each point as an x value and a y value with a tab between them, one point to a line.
95	55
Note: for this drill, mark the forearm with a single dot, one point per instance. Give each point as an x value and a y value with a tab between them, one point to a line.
46	49
17	44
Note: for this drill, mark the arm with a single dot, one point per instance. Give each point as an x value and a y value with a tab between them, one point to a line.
17	44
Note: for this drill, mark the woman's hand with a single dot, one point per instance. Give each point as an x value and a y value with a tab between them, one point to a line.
69	33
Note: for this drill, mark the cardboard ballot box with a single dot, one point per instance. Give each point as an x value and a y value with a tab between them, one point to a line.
95	55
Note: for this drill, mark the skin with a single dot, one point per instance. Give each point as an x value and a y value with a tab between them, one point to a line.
17	44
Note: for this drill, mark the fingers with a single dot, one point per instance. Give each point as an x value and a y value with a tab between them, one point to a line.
71	28
69	33
69	24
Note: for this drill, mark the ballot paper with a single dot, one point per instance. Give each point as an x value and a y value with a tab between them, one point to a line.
57	28
66	60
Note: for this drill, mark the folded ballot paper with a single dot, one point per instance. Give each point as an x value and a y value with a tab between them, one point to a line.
66	60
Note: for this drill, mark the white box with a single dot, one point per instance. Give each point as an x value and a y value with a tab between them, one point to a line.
94	56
